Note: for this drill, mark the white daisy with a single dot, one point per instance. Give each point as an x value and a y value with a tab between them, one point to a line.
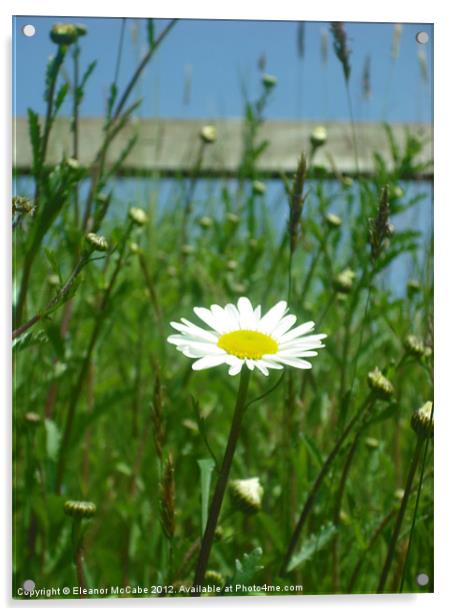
239	335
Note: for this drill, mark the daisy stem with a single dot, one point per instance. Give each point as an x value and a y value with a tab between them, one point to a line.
400	515
220	488
317	484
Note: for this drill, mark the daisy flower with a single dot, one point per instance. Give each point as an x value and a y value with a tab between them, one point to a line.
238	335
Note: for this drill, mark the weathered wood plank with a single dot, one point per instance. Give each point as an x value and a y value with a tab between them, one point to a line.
171	146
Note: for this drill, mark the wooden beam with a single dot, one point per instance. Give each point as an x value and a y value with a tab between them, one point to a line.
170	146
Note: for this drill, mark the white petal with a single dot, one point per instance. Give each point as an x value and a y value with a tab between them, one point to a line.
206	348
257	313
234	317
205	315
195	329
235	368
284	325
304	328
250	364
262	367
296	363
271	363
271	319
247	320
208	362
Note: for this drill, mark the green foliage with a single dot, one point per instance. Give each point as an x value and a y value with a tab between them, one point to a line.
89	377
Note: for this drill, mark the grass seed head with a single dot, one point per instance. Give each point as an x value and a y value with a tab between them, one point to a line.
167	498
296	200
379	227
341	48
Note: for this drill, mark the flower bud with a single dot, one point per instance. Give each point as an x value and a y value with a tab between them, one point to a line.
413	287
259	188
247	494
97	242
343	282
371	443
347	182
53	280
138	216
232	265
205	222
269	81
380	385
318	137
233	218
213	578
79	509
399	494
414	346
187	249
208	134
422	420
32	418
333	221
66	34
135	248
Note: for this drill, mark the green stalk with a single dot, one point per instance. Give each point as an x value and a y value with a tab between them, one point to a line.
400	516
217	500
61	464
315	488
413	523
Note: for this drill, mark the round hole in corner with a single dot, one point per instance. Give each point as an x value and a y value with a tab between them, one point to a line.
28	30
422	38
422	579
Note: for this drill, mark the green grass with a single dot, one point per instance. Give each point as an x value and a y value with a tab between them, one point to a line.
140	420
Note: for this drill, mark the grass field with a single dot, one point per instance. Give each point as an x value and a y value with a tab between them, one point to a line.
107	412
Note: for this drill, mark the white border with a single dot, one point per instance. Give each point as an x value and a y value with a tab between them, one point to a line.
435	11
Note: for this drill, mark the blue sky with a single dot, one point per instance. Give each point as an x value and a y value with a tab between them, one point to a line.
217	59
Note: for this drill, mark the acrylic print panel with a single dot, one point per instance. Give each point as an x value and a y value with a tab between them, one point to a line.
222	309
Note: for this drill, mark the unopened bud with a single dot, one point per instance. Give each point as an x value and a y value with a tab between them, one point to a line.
66	34
343	282
318	136
269	81
333	221
259	188
208	134
247	494
79	509
371	443
213	578
414	346
231	265
380	385
187	249
233	218
205	222
422	420
32	418
138	216
97	242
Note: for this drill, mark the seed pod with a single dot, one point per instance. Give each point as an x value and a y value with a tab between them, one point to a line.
32	418
247	494
233	218
371	443
205	222
79	509
422	420
380	385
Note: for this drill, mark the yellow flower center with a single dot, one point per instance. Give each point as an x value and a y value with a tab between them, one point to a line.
247	344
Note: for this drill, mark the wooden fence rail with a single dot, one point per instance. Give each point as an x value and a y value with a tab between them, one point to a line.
170	146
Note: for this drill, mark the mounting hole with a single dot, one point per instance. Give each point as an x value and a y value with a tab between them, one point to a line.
28	30
422	579
28	586
422	38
